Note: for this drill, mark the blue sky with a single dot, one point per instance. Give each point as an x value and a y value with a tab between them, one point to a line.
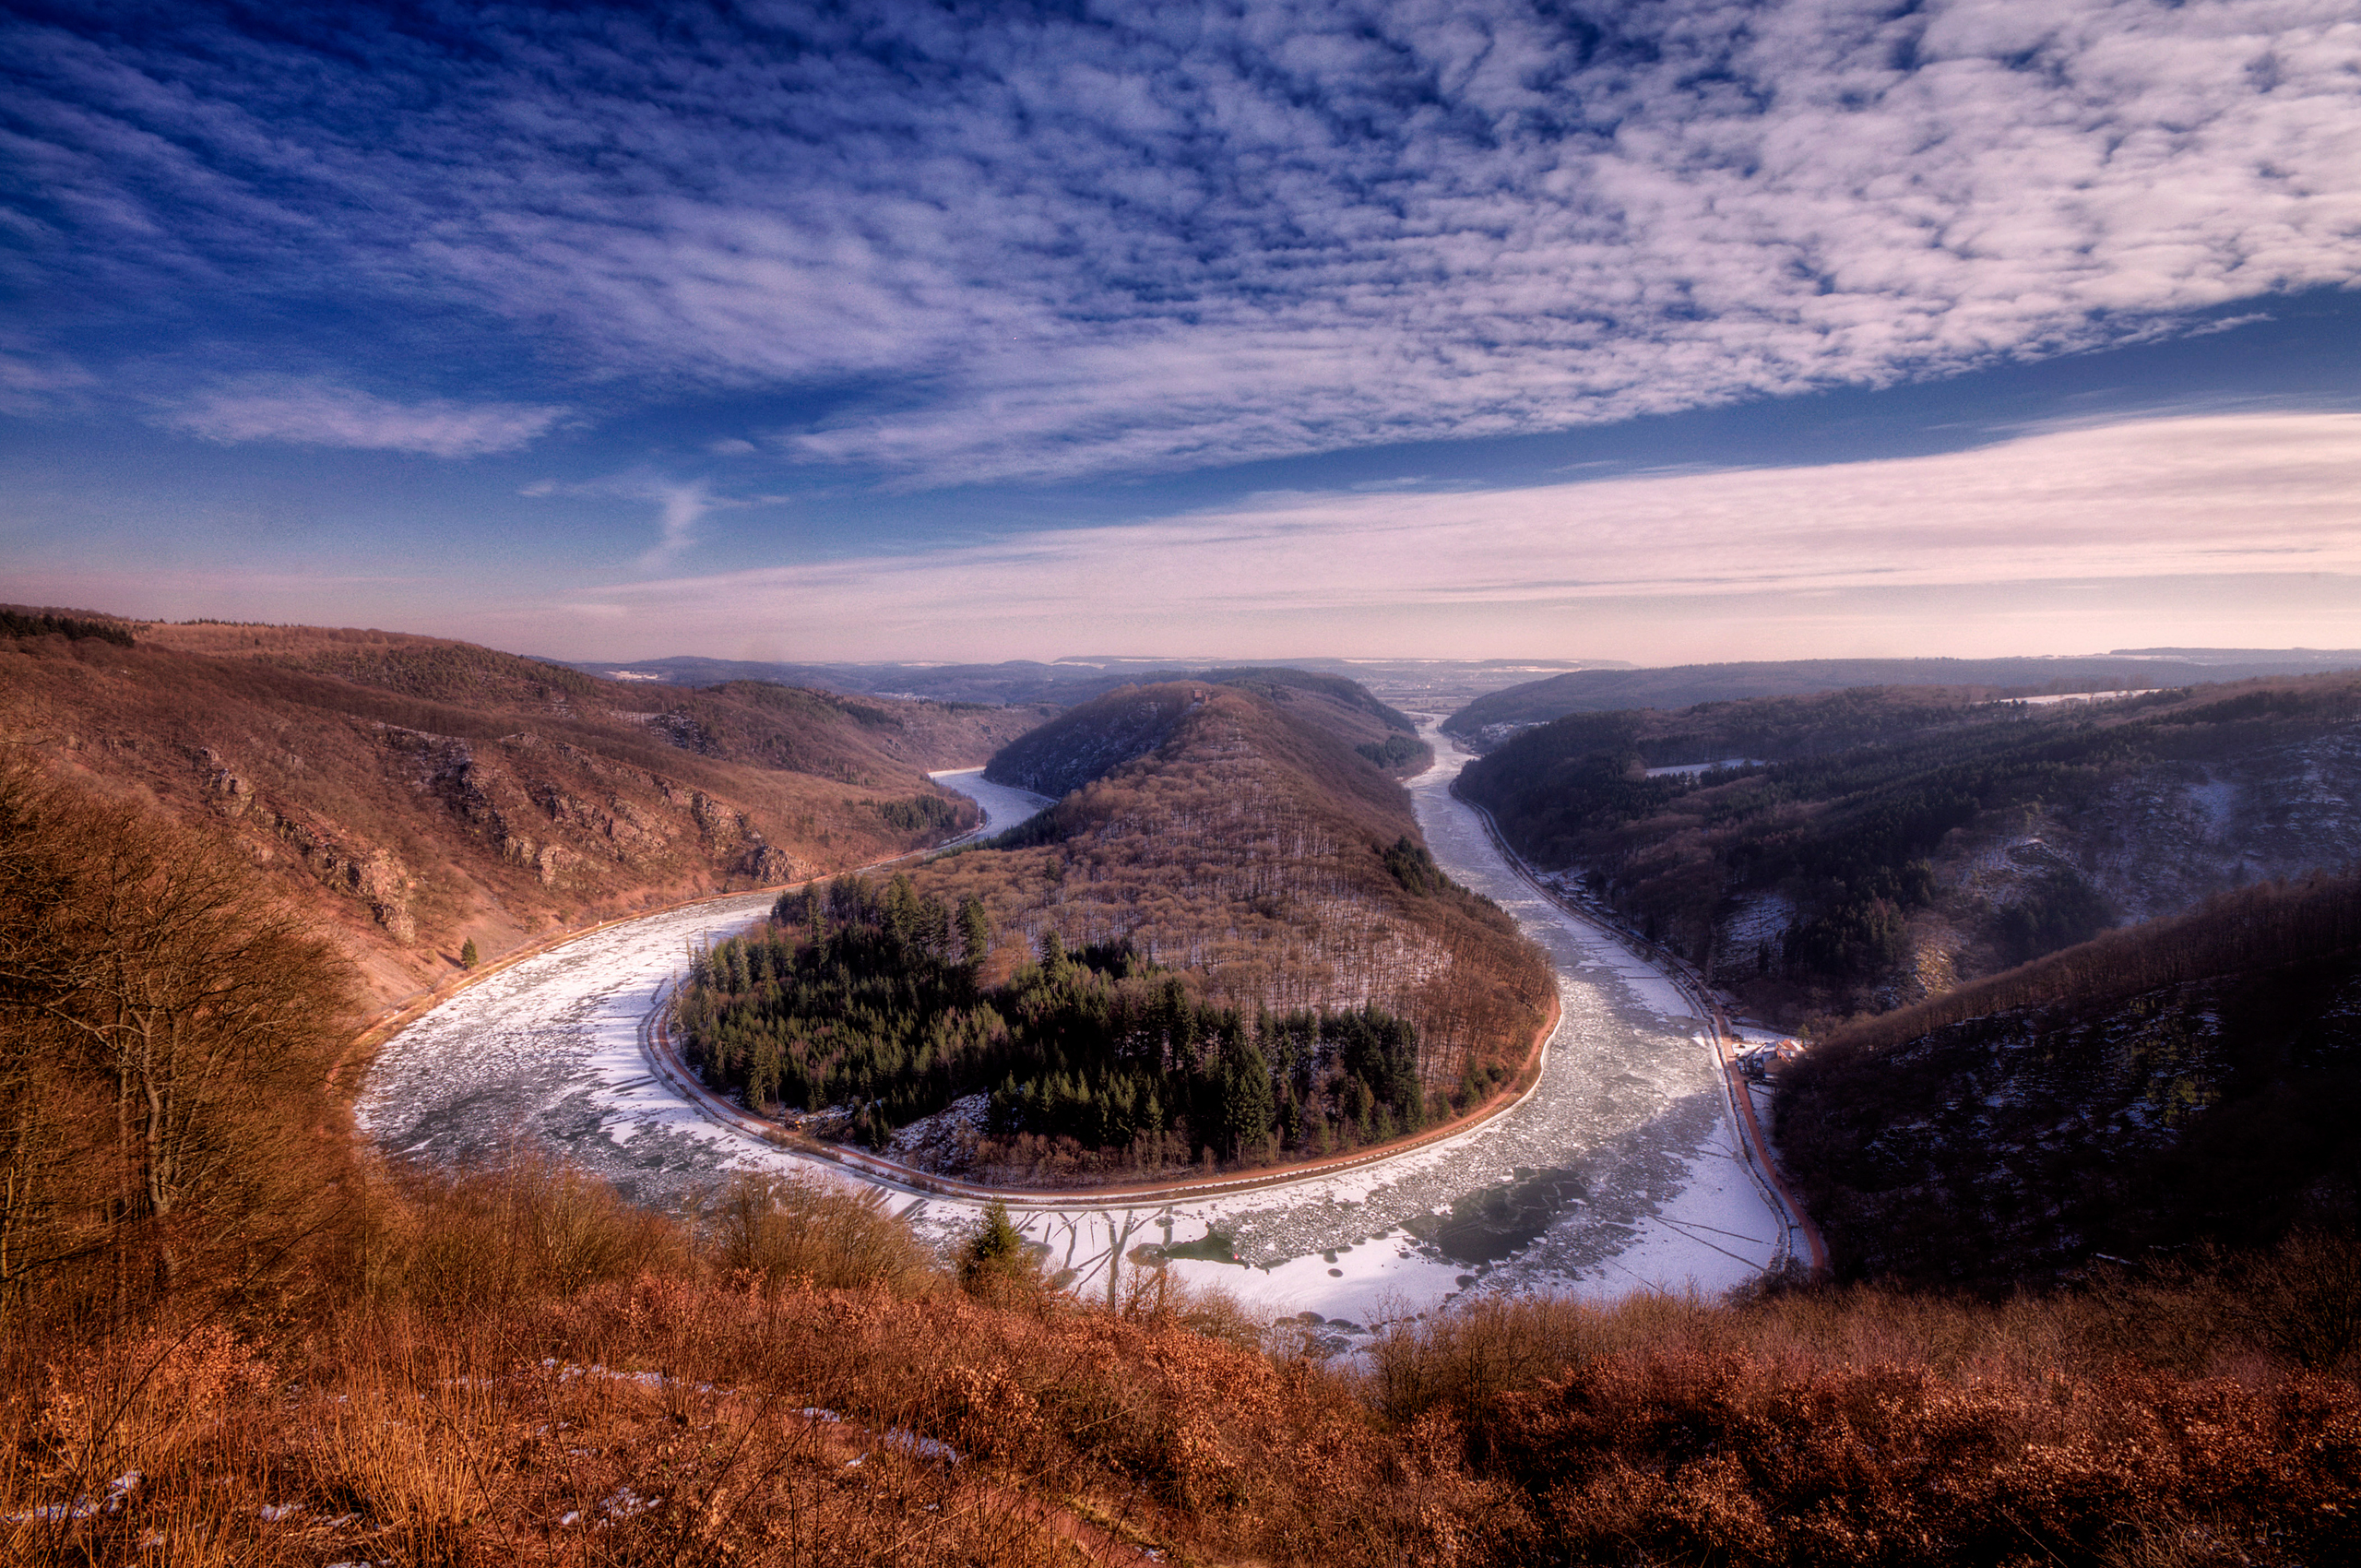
1654	332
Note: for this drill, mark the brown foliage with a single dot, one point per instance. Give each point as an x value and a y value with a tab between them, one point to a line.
1878	1426
412	794
165	1032
1250	847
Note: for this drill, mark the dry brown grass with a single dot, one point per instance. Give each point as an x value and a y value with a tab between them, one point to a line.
722	1410
511	1366
1875	1426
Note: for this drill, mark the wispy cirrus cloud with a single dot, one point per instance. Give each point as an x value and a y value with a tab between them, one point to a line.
1150	239
316	413
681	505
2196	499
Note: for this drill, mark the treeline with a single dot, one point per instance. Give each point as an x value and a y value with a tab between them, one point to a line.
927	814
50	622
1395	752
872	998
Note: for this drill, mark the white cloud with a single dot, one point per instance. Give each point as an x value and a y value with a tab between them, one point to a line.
681	507
1137	240
313	413
680	504
2164	501
33	383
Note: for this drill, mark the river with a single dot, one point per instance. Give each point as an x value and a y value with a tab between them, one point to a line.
1621	1170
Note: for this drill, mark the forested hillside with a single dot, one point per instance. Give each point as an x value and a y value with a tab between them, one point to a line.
1863	848
1199	920
1091	738
2191	1079
1494	716
418	795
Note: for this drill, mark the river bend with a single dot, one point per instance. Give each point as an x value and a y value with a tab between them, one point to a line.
1621	1170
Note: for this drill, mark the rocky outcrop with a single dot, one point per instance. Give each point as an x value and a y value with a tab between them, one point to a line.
335	857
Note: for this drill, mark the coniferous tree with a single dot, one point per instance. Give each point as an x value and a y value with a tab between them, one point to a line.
975	929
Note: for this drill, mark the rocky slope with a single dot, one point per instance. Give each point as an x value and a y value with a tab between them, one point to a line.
417	794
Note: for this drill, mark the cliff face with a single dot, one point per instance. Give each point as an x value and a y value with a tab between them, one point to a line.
416	794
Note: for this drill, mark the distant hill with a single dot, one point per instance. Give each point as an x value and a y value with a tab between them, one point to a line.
417	793
1487	720
1017	681
2189	1079
1432	685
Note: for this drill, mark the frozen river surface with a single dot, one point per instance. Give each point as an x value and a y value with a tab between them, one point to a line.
1621	1170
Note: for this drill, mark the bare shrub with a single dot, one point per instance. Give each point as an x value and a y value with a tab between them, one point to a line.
827	1235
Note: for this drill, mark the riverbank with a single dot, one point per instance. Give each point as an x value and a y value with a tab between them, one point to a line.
1804	1244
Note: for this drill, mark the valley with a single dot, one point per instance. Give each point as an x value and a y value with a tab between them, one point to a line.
1618	1168
2106	1190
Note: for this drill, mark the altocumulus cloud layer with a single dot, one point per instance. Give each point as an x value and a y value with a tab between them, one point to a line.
995	242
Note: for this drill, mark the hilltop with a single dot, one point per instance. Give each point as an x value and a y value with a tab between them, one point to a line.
1093	738
415	794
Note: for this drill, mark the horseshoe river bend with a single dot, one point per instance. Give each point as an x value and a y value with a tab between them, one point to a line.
1622	1169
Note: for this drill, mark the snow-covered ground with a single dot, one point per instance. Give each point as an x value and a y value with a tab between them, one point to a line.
1621	1170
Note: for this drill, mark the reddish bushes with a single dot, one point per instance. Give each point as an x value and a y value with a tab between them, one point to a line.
1728	1457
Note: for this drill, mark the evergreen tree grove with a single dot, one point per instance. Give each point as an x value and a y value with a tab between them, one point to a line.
870	999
